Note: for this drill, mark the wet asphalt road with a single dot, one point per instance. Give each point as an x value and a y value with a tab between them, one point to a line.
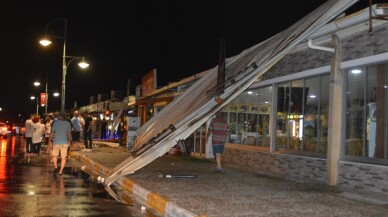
28	187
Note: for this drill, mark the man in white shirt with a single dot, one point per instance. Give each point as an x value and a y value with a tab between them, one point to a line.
28	134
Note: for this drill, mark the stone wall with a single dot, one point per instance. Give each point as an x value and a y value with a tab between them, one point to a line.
291	167
358	45
358	176
361	176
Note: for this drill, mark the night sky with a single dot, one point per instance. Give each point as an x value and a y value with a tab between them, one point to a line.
123	40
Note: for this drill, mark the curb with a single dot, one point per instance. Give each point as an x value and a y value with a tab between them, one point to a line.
130	189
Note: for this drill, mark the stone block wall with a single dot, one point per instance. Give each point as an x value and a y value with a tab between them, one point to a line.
365	43
358	45
361	176
358	176
291	167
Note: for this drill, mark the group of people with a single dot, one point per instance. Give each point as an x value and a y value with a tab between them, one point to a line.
59	133
121	131
36	129
81	124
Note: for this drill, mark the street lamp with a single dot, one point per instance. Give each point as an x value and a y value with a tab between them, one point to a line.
37	84
46	41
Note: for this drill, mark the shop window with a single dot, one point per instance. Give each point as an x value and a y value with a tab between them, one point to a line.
302	115
248	117
291	103
366	112
315	118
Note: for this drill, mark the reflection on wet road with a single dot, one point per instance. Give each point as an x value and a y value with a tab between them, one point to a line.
28	187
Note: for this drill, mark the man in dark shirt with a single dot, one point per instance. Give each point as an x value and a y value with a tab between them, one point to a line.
104	125
121	131
88	134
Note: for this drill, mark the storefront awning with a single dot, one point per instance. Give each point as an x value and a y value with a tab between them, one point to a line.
196	105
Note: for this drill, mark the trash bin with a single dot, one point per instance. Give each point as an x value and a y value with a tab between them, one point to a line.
133	123
131	137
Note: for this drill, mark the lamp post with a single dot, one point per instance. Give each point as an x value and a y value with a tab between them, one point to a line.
46	42
81	64
37	83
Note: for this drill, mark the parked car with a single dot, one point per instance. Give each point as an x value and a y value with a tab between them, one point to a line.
3	130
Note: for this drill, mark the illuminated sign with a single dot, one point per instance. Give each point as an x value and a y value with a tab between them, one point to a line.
43	99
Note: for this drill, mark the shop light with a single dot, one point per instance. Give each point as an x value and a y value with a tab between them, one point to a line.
313	96
356	71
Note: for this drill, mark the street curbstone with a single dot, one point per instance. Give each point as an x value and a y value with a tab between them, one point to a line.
174	210
157	202
140	194
129	190
128	185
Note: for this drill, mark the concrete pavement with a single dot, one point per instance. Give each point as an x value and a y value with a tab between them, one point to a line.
200	191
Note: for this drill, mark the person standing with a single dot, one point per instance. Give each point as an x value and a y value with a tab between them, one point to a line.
218	128
104	125
76	132
28	134
62	131
36	138
121	132
47	131
82	121
88	134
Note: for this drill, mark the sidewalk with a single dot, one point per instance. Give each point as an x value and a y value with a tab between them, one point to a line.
229	193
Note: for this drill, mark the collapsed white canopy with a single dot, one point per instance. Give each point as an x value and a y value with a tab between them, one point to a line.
190	110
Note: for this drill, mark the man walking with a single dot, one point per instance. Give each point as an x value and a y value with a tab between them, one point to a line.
218	128
88	132
62	131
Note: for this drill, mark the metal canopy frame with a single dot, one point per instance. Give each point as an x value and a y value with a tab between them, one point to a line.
179	119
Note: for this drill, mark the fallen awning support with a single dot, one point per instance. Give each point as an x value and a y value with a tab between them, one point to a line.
194	107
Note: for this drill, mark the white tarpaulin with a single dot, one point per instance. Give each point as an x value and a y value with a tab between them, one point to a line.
196	105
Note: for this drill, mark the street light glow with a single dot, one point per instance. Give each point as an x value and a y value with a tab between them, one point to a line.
36	83
83	64
32	97
56	94
45	42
